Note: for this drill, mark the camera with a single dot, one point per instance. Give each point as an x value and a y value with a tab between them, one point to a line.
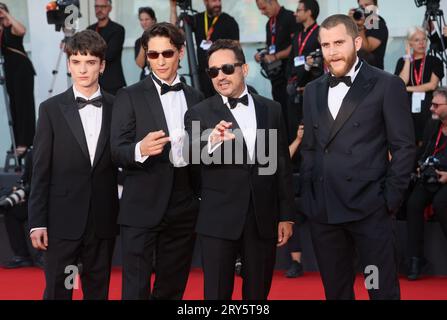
317	56
432	5
184	4
428	169
57	12
361	13
270	70
14	198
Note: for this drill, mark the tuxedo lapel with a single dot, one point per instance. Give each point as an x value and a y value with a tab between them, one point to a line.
105	129
71	114
190	98
324	115
154	102
360	89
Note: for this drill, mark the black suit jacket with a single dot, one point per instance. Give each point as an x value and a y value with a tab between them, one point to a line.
113	76
65	187
227	189
346	172
147	187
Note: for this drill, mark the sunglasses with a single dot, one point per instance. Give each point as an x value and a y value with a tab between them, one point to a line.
226	69
165	54
436	105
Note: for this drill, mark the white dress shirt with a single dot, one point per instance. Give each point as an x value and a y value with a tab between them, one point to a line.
246	119
338	93
174	108
91	118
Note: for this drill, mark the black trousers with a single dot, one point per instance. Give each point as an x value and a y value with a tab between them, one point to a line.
96	257
373	238
294	243
419	199
15	219
258	261
173	243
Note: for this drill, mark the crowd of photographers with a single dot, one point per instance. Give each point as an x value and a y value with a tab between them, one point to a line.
291	59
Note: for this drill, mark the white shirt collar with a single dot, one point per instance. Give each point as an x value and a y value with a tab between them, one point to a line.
78	94
225	99
176	80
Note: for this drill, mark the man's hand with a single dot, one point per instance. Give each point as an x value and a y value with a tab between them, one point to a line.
284	232
39	239
444	31
153	143
310	61
258	57
221	133
442	176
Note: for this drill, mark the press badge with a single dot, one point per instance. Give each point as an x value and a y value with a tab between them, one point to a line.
299	61
206	44
272	49
416	102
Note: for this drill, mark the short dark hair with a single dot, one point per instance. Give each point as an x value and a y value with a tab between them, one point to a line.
374	1
4	7
149	11
227	44
86	42
337	19
164	29
313	6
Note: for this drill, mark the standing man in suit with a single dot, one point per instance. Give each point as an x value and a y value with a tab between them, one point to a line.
242	210
113	33
73	203
159	204
356	116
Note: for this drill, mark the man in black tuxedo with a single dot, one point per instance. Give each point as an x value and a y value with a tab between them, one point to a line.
243	209
358	152
113	33
159	204
73	205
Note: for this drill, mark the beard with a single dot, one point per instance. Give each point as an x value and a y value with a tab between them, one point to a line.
349	63
215	11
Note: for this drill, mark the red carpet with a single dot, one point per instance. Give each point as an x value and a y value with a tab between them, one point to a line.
28	284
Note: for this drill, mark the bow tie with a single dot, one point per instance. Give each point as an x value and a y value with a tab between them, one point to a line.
234	101
333	81
97	102
165	88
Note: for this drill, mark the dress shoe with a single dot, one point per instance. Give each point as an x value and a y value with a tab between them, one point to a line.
238	267
295	270
414	268
18	262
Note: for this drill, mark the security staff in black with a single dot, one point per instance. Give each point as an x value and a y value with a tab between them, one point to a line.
208	26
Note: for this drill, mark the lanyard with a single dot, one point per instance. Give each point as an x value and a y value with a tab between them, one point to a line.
209	32
419	74
273	29
441	148
302	44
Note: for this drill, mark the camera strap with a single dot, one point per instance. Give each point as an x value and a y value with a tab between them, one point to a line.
301	43
441	148
209	32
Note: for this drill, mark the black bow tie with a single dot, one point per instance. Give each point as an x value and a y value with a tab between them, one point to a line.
333	81
234	101
165	88
97	102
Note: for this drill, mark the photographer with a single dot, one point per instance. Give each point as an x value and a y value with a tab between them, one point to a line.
279	29
302	67
421	74
373	31
208	26
15	207
431	185
19	76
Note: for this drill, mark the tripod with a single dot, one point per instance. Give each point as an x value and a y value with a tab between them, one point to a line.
436	16
55	71
185	24
12	154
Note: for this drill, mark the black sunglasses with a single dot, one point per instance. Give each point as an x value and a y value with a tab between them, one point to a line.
165	54
226	69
